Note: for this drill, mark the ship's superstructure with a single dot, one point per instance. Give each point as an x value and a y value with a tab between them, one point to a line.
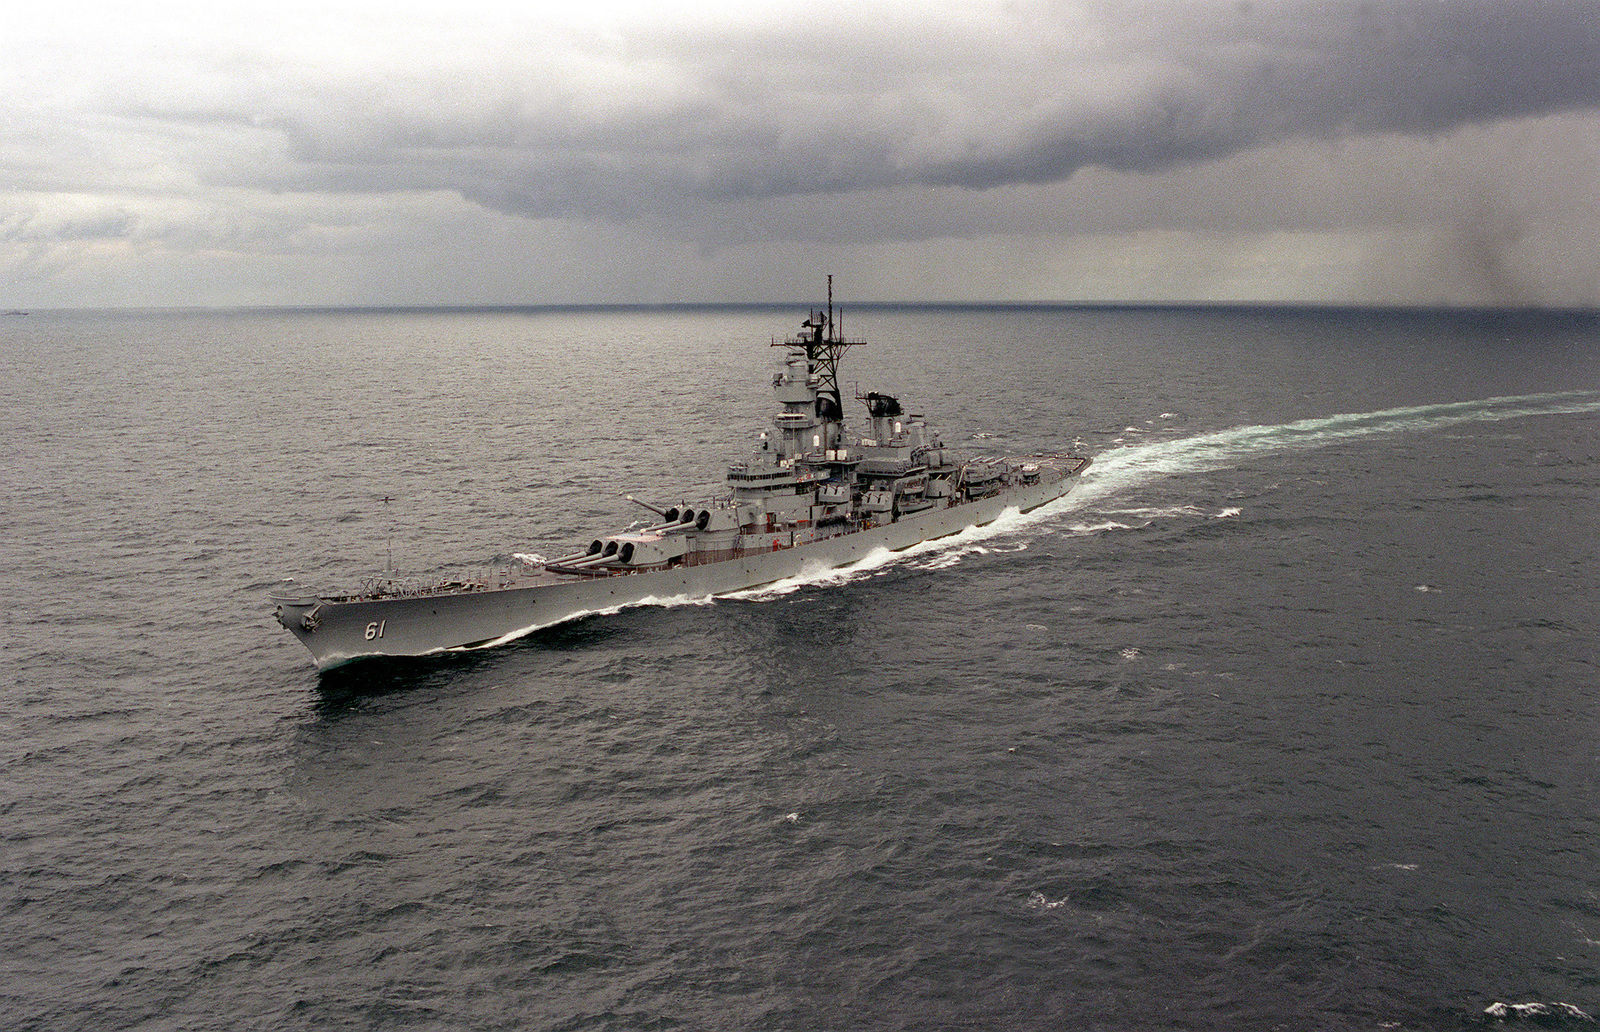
808	494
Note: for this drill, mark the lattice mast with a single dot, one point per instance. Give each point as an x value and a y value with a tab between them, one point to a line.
823	340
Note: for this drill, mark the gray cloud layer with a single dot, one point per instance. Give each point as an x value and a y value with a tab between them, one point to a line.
728	127
625	124
623	128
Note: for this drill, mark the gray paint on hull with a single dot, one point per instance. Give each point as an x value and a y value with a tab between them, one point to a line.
426	624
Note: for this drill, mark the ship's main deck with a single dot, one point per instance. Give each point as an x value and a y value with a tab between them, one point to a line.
1035	469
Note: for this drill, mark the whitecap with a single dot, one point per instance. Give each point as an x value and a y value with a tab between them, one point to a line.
1157	512
1096	528
1039	901
1539	1012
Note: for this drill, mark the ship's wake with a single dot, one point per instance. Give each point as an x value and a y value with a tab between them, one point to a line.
1092	505
935	554
1121	470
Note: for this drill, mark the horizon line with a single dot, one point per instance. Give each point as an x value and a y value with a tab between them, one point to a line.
515	306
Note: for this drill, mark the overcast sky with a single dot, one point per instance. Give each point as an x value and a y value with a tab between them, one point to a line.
213	153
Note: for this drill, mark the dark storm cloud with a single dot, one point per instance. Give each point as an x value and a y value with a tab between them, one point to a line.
1021	98
1217	82
661	120
746	135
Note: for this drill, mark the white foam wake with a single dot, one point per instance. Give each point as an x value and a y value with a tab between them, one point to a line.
1120	469
660	602
935	554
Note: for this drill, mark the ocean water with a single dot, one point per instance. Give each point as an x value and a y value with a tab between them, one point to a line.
1285	719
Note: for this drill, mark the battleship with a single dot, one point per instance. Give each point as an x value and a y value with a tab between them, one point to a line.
810	496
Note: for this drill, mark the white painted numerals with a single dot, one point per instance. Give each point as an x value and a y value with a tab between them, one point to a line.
375	629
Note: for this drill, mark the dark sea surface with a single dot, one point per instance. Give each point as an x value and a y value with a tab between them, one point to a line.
1286	719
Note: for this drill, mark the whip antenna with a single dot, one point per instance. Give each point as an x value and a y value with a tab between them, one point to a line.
390	551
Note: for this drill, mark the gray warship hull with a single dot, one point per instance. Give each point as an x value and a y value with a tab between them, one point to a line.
338	631
809	497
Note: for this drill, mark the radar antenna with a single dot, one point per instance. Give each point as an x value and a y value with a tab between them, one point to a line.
824	344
